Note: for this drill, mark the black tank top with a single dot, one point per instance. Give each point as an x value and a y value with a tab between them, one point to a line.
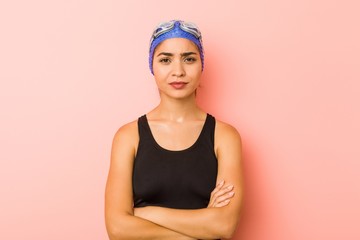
180	179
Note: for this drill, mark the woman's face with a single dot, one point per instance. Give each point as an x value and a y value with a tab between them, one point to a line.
177	67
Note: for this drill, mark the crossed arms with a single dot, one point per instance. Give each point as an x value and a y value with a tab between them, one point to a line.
218	220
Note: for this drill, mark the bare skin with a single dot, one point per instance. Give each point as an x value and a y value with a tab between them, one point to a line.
175	123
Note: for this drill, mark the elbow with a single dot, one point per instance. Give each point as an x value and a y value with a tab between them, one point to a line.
115	230
117	233
223	231
227	227
228	230
114	233
117	225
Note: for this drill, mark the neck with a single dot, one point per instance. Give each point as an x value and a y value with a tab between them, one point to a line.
178	109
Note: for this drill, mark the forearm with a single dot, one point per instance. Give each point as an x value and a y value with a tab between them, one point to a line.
127	227
207	223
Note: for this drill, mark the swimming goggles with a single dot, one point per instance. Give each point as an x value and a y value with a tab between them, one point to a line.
168	26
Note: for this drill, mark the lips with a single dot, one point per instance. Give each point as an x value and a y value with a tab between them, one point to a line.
178	85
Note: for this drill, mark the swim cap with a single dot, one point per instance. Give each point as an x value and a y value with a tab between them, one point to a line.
175	29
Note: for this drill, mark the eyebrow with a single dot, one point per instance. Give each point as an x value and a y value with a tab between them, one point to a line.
185	54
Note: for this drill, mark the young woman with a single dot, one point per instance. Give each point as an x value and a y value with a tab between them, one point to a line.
175	172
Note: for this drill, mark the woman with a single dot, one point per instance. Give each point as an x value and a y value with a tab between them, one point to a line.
175	172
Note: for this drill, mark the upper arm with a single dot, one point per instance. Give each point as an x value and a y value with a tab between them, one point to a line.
228	148
118	192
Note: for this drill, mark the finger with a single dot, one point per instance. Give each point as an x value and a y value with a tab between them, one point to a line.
223	203
220	190
216	199
225	197
219	186
216	189
223	191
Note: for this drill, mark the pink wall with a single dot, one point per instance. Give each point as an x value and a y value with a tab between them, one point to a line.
284	73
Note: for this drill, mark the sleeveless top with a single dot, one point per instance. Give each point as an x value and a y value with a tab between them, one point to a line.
182	179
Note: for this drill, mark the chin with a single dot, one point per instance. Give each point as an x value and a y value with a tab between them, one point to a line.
180	95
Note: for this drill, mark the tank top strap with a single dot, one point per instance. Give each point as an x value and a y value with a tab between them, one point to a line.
143	128
208	132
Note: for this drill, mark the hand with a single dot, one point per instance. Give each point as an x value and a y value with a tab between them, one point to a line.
221	195
140	212
147	213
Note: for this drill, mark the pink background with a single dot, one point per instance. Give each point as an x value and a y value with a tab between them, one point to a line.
284	73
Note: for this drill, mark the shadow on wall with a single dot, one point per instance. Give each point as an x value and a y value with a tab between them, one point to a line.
221	94
220	91
212	87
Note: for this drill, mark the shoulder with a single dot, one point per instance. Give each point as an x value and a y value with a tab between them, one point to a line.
127	130
226	136
225	131
126	136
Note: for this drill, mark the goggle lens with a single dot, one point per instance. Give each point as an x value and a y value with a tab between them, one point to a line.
167	26
163	27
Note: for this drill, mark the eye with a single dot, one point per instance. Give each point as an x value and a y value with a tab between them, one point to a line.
190	59
165	60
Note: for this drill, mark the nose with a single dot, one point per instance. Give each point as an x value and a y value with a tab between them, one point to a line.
178	69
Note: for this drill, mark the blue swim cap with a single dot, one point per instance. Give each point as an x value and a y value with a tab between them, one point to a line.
175	29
